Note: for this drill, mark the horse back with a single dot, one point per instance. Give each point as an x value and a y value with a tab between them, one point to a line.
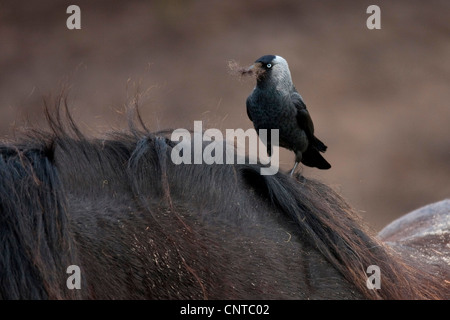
423	235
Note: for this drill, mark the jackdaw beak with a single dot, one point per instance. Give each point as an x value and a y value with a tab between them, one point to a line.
254	69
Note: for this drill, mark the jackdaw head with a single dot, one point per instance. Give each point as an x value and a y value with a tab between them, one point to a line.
270	68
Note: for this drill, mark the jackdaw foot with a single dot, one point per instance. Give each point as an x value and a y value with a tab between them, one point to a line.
293	169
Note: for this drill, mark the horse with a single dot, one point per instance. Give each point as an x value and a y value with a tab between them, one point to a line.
140	227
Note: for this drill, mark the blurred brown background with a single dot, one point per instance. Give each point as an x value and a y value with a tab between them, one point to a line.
379	98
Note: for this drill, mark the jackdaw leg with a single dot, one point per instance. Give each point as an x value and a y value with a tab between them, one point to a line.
298	159
293	169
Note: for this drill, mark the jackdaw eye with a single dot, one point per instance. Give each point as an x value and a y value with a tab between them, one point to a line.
269	65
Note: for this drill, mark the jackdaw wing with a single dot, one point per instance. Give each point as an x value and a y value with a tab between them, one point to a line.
303	118
305	122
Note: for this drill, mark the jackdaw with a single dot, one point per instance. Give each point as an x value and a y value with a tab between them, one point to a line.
276	104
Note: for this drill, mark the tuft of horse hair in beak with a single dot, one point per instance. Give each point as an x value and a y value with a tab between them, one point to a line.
253	70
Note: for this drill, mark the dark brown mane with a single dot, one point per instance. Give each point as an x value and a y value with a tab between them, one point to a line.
331	225
73	167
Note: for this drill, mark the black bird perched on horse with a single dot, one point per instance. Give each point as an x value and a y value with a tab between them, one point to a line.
276	104
140	226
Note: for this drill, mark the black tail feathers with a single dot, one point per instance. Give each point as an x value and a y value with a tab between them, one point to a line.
319	145
312	158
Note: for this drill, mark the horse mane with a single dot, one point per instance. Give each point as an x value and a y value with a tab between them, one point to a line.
142	158
330	224
34	233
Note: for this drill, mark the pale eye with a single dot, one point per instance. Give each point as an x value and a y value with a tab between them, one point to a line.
269	65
